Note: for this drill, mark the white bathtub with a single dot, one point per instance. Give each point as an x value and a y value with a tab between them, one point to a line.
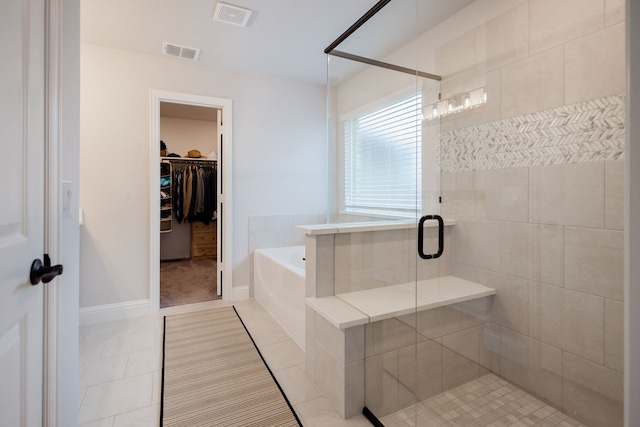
278	275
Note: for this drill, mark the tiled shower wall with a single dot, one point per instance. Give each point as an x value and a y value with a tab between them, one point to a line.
535	181
374	259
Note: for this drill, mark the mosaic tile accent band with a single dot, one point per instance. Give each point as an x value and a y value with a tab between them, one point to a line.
583	132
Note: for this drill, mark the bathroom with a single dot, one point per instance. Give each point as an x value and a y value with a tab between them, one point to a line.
518	144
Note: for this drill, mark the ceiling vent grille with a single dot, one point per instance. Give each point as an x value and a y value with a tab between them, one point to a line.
230	14
178	51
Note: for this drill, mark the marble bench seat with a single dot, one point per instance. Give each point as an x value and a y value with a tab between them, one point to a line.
361	307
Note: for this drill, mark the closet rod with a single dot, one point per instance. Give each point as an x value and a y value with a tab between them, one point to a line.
190	161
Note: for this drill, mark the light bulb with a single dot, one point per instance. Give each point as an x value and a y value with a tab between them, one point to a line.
435	111
467	102
450	107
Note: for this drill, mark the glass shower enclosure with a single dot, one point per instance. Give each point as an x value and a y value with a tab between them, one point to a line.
459	234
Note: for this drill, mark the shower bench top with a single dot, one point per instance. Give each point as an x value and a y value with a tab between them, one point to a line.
361	307
358	227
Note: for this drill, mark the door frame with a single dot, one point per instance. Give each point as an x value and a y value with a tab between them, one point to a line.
53	354
224	270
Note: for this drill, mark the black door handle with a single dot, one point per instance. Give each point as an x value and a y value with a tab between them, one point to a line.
421	236
44	272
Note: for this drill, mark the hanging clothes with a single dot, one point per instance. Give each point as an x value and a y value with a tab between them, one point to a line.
178	192
188	194
195	192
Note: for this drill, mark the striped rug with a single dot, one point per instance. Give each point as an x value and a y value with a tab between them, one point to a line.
214	375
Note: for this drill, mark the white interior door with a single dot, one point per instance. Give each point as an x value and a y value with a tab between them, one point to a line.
22	125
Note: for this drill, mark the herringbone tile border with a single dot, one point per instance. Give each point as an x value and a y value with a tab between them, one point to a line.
583	132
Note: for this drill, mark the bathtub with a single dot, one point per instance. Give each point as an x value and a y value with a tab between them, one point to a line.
278	275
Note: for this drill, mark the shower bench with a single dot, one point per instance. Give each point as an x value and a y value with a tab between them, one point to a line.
335	339
335	322
361	307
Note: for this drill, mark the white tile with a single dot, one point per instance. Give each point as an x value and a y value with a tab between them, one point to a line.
349	256
104	330
156	391
385	250
503	194
297	386
330	378
614	11
81	392
131	342
458	194
145	417
141	362
90	349
319	413
263	335
96	371
552	23
533	84
282	355
507	37
614	335
592	392
457	57
571	195
116	397
332	338
472	239
83	330
511	303
105	422
514	249
614	195
595	65
594	261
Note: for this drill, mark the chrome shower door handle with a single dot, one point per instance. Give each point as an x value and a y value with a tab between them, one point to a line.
421	236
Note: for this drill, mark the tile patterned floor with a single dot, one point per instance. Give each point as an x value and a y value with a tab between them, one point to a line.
120	380
120	369
487	401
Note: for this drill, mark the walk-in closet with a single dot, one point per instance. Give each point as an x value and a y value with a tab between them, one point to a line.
188	168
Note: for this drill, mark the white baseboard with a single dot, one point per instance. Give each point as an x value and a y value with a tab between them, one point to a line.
122	310
240	292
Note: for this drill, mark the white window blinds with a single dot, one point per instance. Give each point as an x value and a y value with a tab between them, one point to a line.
382	159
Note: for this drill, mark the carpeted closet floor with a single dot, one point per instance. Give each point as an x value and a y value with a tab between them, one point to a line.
186	282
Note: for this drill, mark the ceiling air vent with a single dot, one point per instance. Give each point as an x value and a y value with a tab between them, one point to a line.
178	51
230	14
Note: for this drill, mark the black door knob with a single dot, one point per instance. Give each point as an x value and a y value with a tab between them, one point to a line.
44	272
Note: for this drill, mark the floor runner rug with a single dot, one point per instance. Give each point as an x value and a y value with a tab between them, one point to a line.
214	375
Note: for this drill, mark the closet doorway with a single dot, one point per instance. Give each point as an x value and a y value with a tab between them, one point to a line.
189	162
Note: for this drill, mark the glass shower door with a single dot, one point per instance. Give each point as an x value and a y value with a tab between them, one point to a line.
529	193
377	151
384	178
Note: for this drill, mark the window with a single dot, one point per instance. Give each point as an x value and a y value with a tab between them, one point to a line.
382	160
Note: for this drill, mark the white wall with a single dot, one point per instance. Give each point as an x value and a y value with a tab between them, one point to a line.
279	154
184	135
67	290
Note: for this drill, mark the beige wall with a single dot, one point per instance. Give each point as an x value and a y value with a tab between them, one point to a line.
183	135
279	160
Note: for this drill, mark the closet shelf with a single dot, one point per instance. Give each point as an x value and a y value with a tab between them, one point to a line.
166	224
187	159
